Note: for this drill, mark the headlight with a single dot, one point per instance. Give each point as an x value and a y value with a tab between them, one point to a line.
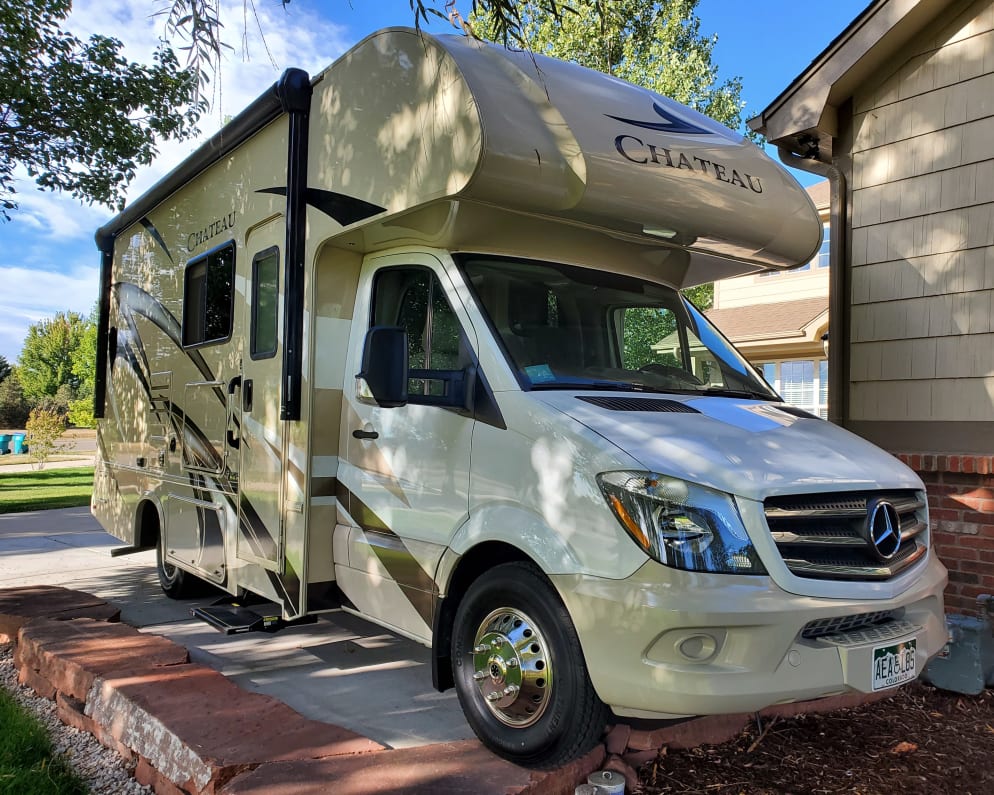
681	524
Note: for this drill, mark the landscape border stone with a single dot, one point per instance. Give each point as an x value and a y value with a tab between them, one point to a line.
189	730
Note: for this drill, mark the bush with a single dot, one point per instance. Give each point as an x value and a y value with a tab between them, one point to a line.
81	413
44	429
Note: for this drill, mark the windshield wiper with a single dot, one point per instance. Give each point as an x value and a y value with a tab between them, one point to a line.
740	393
612	386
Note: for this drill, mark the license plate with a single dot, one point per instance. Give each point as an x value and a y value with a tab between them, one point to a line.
893	665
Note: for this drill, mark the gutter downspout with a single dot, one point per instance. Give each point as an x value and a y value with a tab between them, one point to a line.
838	293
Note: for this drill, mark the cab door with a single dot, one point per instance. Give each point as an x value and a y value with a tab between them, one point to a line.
255	403
404	480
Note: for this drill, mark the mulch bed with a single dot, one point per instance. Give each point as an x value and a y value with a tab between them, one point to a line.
922	740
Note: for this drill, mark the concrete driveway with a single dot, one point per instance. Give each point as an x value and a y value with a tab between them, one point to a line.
341	670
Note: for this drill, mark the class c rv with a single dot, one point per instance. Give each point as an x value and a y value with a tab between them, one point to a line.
405	339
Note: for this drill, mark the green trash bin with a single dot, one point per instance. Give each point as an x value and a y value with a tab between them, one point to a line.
4	443
18	444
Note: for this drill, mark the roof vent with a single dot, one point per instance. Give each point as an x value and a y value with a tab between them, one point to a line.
639	404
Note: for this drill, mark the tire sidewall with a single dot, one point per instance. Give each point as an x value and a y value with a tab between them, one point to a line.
172	583
523	588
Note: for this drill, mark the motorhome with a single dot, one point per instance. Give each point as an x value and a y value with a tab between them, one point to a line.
405	339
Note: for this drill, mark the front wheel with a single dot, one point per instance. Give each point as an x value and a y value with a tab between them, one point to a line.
519	670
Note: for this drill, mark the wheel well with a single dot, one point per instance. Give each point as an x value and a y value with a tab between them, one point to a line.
470	566
147	525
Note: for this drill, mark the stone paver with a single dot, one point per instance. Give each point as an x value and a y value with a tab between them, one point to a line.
18	605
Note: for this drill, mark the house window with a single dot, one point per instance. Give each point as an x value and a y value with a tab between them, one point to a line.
821	258
208	297
800	382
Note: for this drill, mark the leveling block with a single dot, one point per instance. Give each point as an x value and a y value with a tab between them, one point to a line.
233	617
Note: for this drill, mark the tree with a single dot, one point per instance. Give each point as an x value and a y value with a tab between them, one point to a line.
14	409
4	368
45	428
76	115
84	367
46	360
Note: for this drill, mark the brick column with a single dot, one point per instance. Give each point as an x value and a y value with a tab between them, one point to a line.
961	514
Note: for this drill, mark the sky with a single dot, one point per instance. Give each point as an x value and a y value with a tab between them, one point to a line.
48	260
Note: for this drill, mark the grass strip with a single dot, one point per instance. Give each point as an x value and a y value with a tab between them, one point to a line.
45	489
27	764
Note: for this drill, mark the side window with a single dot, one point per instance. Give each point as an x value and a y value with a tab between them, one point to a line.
413	299
208	294
265	303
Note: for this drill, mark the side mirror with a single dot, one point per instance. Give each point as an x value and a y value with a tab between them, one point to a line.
384	365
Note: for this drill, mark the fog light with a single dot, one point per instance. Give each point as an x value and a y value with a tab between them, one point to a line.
698	648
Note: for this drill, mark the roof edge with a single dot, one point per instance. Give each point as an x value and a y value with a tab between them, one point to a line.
288	93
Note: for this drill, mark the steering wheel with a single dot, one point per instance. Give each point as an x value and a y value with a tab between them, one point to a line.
674	373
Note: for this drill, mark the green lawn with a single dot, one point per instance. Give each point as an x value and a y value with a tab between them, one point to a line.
26	763
49	488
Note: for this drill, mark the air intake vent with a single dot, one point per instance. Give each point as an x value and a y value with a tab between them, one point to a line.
796	412
639	404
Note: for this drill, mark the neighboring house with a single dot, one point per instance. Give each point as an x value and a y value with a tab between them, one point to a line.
898	113
778	319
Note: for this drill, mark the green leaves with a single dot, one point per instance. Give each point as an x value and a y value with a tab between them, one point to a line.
50	350
76	115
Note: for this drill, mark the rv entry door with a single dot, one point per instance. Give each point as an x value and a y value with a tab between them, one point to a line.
256	403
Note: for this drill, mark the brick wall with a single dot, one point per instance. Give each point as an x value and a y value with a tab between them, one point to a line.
961	513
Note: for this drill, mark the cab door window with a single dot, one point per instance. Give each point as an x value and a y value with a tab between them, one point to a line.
413	299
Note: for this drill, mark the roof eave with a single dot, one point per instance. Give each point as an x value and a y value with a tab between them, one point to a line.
808	106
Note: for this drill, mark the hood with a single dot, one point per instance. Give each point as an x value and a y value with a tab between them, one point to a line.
749	448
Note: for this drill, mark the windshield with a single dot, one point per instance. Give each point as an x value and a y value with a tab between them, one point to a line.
564	327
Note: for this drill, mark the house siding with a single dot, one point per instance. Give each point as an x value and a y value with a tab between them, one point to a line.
921	363
922	246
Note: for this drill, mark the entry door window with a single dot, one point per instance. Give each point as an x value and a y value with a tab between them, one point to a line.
265	303
413	299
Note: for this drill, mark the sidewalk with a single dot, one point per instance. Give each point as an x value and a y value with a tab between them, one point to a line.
28	464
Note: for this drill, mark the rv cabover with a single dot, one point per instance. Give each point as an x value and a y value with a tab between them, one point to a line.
405	339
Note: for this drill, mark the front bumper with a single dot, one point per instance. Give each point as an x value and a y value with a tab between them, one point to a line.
666	643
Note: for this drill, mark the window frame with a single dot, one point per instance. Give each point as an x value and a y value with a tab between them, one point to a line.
816	407
205	258
434	281
254	354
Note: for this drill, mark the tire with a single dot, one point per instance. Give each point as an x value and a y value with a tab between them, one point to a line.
175	583
511	631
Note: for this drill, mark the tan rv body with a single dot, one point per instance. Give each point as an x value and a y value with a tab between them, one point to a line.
269	468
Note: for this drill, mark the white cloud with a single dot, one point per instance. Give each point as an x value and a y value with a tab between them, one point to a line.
30	295
56	216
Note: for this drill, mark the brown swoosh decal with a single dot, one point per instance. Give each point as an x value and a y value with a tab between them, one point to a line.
415	583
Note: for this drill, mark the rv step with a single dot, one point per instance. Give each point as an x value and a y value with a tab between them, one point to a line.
232	617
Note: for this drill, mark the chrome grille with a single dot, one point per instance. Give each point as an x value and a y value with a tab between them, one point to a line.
823	536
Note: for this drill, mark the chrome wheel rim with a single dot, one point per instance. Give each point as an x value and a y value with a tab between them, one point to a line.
512	667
